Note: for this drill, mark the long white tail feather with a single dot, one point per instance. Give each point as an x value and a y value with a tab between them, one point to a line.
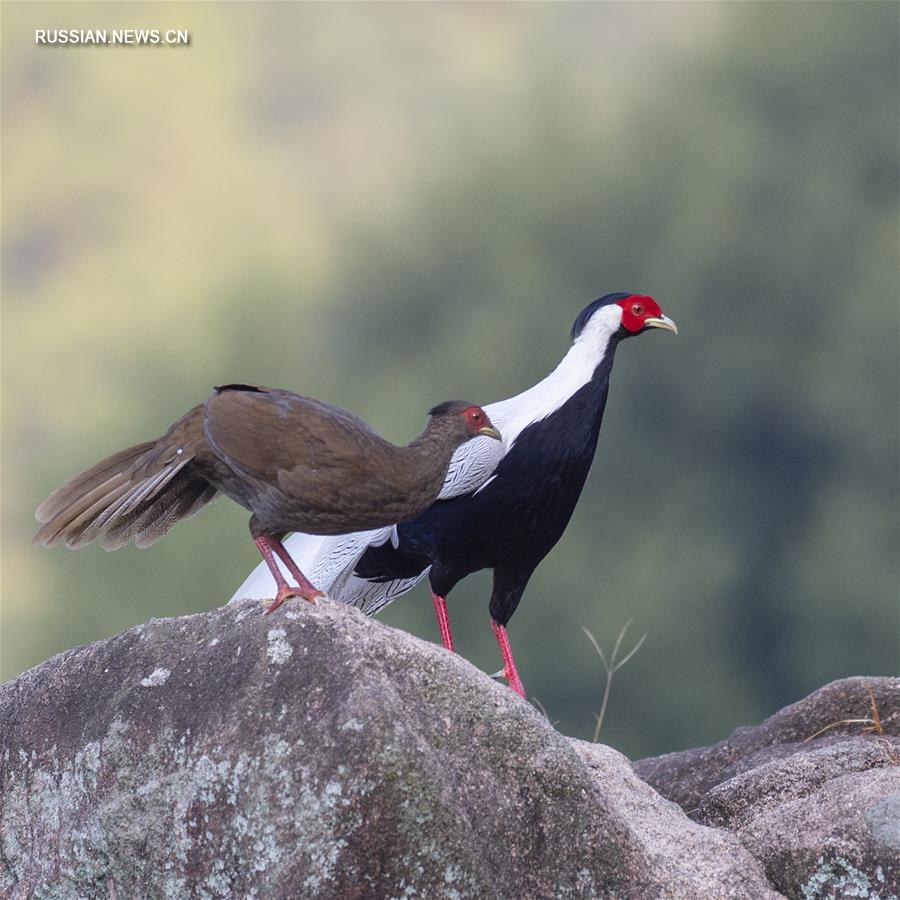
338	556
373	596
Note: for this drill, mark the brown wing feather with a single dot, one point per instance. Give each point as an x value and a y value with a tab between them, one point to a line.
303	465
81	485
263	433
137	493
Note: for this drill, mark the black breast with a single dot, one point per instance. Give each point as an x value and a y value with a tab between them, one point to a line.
520	515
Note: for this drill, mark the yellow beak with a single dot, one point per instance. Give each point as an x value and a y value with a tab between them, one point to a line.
487	431
661	322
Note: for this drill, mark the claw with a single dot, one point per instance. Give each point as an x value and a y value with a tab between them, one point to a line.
305	588
286	592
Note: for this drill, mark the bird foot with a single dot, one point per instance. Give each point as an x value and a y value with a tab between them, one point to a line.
512	679
288	591
510	673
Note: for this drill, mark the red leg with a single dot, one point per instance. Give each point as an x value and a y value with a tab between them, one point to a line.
311	592
509	664
285	590
440	608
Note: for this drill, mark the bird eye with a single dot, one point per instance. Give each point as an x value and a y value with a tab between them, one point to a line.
637	309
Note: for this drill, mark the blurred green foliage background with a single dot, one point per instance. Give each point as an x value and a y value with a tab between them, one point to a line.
387	205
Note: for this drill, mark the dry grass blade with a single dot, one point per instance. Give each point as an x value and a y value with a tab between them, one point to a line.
631	652
872	723
597	647
610	668
838	725
875	727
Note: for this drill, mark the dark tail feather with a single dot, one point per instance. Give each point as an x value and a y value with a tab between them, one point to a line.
146	524
131	495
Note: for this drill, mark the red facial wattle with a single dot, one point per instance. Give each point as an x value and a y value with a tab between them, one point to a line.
478	422
474	417
636	309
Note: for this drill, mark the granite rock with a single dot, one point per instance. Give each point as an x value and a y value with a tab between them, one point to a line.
317	753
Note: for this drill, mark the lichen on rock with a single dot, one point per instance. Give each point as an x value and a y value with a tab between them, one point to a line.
813	792
322	754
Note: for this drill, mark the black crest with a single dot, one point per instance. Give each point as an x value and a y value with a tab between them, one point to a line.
585	315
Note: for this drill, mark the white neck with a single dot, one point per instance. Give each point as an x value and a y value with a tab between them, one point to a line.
573	372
